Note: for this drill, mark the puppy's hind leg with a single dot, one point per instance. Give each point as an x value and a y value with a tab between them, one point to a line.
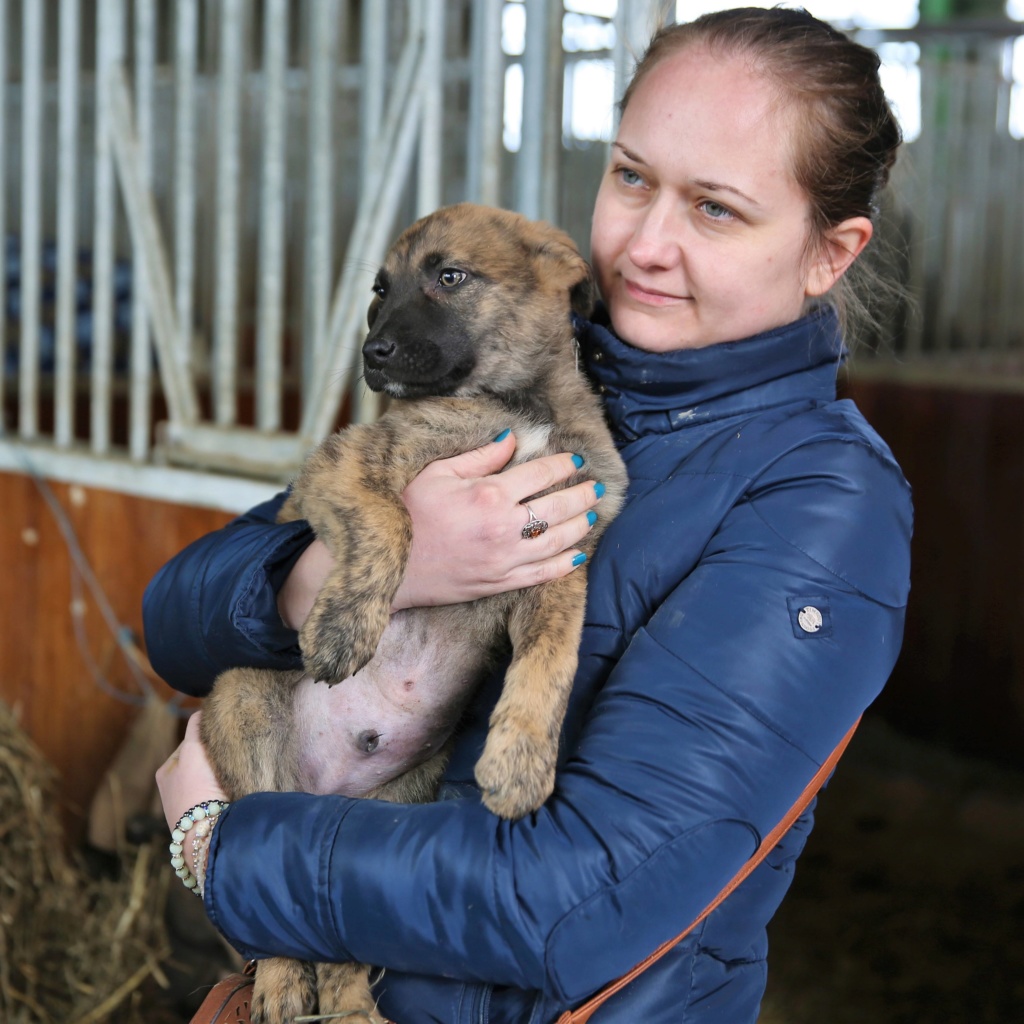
345	993
283	990
516	771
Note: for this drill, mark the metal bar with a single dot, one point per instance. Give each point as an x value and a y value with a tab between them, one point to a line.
487	71
373	55
317	276
109	52
144	225
429	194
370	235
185	60
552	111
33	29
373	51
270	314
530	162
3	201
225	317
161	483
953	279
141	361
67	207
634	25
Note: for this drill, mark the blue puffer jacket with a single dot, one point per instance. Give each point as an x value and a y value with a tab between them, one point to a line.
706	698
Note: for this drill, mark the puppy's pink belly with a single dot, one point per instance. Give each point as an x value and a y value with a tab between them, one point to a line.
391	715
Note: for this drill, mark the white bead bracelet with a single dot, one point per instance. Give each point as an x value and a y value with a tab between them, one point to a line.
201	817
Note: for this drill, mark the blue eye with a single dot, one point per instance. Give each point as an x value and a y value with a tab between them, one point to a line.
715	210
629	177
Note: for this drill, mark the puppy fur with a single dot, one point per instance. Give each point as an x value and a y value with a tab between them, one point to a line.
470	334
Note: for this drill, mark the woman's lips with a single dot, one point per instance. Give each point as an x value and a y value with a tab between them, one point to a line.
650	297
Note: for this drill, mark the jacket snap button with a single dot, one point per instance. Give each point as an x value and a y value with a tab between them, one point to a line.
809	619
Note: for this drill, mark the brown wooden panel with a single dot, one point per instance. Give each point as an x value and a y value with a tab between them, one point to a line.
43	672
960	677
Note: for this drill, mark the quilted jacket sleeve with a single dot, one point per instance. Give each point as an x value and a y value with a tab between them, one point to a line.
719	709
214	605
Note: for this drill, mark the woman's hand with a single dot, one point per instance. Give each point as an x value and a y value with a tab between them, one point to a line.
467	541
186	777
468	518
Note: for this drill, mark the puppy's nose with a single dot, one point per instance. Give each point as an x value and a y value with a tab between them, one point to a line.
377	352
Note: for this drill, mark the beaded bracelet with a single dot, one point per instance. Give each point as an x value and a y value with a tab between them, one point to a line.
201	817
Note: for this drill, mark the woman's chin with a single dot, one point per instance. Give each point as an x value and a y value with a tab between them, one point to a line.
656	331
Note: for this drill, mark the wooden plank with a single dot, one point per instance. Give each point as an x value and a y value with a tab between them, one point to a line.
959	681
43	672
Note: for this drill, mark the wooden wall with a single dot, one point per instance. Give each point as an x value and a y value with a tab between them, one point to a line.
42	671
960	677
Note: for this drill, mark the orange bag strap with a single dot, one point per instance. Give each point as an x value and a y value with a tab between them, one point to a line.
770	841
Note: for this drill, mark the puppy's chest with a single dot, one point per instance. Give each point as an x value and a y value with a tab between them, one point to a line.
532	441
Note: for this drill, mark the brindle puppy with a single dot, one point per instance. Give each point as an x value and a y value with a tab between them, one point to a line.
469	334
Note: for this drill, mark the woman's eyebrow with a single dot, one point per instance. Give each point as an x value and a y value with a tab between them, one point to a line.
717	186
628	153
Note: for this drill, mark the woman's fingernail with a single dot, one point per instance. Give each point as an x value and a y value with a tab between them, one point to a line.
577	461
579	559
503	435
591	518
599	490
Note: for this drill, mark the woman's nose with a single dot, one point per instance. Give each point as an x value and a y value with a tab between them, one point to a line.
654	243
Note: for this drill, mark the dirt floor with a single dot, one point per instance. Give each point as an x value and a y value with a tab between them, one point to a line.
908	903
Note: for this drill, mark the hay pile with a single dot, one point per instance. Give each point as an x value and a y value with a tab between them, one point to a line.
74	948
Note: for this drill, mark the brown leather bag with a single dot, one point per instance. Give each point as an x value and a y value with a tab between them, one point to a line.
228	1000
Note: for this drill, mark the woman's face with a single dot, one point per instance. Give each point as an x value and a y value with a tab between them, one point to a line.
700	229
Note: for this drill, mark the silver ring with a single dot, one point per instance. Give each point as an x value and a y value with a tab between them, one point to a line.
535	527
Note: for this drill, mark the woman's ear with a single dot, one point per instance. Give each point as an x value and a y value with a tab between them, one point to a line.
841	246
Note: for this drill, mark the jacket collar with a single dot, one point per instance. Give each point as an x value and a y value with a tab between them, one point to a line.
658	392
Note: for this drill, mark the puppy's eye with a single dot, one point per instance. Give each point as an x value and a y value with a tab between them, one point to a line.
451	278
379	290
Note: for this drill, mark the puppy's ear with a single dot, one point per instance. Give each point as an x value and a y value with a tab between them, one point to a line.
583	294
571	270
371	313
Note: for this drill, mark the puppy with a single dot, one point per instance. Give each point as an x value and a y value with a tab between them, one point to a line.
470	334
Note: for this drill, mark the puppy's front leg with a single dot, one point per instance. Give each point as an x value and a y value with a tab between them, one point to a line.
516	771
366	527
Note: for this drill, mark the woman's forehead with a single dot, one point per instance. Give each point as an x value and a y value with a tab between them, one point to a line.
710	115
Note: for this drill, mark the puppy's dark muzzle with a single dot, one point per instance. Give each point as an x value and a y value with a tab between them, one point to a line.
410	368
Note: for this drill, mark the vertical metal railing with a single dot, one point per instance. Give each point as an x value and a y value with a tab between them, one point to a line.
317	262
225	319
140	362
186	48
67	219
109	55
245	199
270	280
31	209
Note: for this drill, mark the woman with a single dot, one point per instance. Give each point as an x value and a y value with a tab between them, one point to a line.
744	608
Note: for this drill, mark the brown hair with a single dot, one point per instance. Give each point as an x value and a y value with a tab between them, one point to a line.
847	135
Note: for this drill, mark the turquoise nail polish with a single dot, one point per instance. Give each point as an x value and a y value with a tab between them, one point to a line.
502	435
577	461
579	559
591	518
599	490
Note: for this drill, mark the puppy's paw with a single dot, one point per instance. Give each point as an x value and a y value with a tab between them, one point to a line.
337	642
284	990
516	771
345	993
